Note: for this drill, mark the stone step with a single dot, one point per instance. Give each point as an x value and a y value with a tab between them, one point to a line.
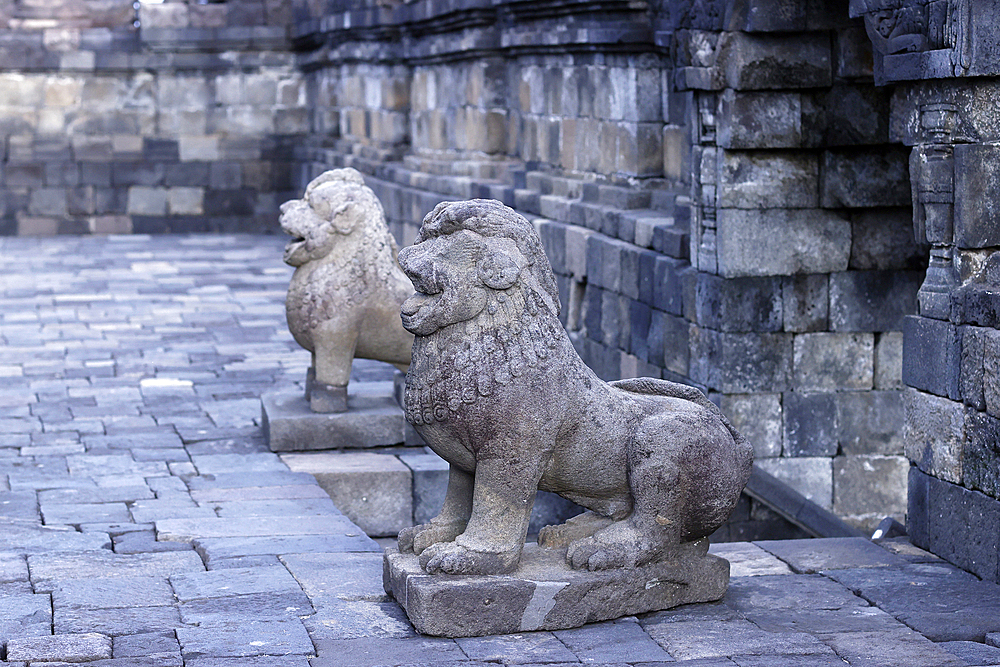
384	491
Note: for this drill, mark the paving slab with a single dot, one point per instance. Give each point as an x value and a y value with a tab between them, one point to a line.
973	653
358	619
186	530
938	600
258	493
789	592
280	638
391	652
78	513
225	583
237	609
616	641
813	555
112	593
231	480
117	621
68	648
748	560
283	507
146	645
878	649
715	639
213	549
338	577
61	567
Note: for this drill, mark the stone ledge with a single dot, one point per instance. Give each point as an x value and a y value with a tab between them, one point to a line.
544	593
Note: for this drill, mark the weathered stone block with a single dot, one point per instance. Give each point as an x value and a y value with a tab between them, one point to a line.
143	200
771	179
971	374
870	485
872	300
870	422
833	361
758	62
805	302
738	304
810	476
372	490
932	352
977	218
963	527
759	120
781	242
864	178
981	453
934	434
883	239
758	417
810	425
676	347
740	363
669	285
544	593
846	115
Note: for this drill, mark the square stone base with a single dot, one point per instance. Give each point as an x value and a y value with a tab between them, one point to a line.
545	593
373	419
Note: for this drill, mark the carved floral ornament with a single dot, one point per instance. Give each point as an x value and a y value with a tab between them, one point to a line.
906	26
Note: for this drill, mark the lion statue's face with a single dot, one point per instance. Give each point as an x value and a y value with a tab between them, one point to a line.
454	276
333	205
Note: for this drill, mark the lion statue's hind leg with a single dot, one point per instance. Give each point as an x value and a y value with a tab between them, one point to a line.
573	529
672	453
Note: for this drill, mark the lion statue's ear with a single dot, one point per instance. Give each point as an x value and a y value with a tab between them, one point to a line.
341	219
498	269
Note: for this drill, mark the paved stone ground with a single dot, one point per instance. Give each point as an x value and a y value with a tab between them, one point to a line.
143	522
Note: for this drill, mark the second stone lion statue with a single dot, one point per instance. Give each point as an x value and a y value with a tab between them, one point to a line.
343	299
496	388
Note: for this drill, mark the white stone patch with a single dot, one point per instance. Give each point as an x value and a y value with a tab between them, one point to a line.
541	603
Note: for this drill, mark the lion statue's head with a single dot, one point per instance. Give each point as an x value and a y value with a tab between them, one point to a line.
335	204
475	256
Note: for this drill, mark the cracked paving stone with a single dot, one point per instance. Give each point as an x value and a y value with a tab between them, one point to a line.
615	641
25	615
329	578
236	609
357	620
67	648
144	541
286	637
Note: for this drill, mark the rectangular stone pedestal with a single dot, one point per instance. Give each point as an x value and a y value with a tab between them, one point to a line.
544	593
373	419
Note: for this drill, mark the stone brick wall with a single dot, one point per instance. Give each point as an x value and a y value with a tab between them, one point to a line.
184	124
944	90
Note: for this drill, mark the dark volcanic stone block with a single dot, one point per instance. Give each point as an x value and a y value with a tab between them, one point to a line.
932	353
810	424
544	593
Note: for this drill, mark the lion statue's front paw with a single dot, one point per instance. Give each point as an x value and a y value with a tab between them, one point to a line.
452	558
417	538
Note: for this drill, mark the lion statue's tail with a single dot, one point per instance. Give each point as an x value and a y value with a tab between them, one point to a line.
657	387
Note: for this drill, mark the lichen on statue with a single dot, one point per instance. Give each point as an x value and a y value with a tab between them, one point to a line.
344	297
497	389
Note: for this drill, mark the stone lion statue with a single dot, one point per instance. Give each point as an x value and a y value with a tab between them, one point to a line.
496	388
344	297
